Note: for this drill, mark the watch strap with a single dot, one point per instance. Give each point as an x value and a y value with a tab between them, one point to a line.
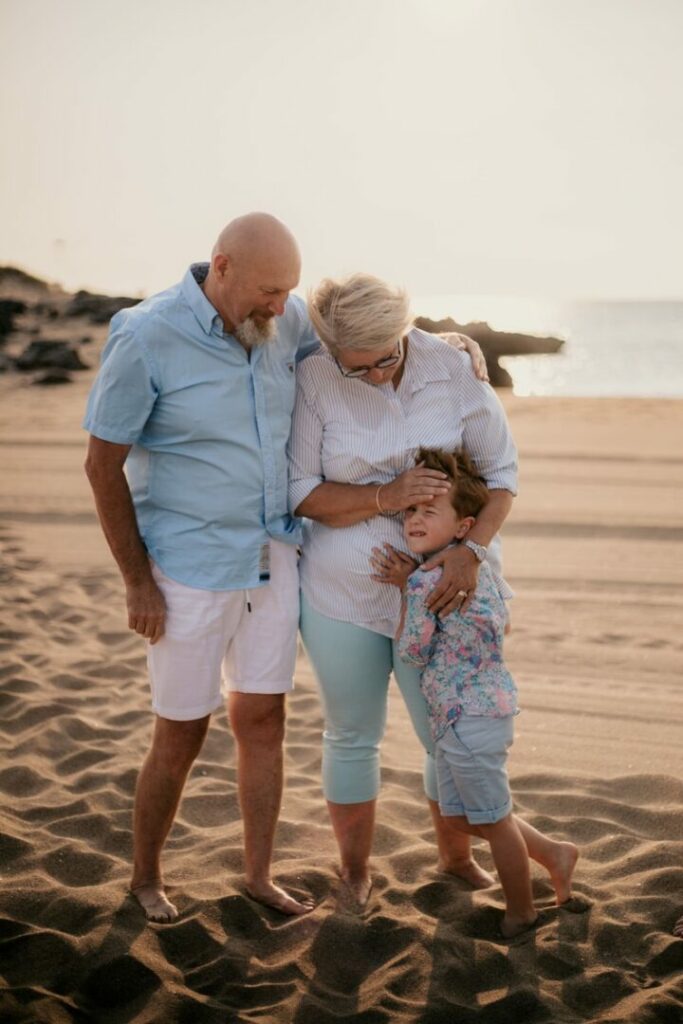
478	550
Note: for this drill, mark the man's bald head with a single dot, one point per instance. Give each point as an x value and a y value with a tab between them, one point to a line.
254	265
255	237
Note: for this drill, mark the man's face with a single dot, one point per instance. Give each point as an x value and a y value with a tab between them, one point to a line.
255	292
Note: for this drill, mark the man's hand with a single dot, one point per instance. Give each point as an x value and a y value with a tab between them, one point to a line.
391	566
474	351
413	487
458	581
146	609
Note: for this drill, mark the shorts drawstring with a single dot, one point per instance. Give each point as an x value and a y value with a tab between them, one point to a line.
248	597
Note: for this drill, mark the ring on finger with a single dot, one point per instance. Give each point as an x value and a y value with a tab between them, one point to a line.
462	593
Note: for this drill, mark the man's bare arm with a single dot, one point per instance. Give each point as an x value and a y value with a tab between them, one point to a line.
473	349
145	602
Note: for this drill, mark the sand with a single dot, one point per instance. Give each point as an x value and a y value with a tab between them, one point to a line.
594	550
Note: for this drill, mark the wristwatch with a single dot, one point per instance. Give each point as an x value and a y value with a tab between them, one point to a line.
478	550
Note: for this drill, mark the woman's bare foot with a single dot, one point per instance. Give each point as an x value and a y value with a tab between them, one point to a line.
273	896
153	900
561	870
512	926
357	884
469	871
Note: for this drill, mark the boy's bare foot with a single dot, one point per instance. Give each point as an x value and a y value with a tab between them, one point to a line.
561	870
512	926
469	871
273	896
678	928
153	900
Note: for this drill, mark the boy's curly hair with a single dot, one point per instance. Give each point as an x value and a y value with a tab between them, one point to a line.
470	493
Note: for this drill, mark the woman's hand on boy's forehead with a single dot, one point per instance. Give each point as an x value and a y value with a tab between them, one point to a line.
413	487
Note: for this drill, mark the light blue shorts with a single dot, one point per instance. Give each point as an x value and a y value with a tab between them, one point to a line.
471	771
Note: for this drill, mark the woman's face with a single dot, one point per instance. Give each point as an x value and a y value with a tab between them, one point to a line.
369	362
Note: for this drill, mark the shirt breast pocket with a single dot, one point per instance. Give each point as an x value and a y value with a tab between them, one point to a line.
281	386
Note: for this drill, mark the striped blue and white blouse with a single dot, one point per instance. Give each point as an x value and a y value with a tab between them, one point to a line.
349	431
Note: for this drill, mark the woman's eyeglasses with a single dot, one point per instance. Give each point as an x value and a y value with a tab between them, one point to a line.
381	364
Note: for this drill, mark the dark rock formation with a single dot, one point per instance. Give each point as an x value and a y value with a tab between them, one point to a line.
494	344
98	308
9	308
49	354
46	310
13	276
55	376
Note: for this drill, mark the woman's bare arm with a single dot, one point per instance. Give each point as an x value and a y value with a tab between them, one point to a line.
337	504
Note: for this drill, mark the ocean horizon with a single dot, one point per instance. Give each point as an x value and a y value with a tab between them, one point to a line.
612	348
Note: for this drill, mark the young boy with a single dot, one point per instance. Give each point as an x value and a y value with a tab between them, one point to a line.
471	696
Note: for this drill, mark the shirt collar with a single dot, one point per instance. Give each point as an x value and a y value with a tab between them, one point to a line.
423	364
205	313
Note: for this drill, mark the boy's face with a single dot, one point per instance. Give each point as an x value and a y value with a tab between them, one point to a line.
433	525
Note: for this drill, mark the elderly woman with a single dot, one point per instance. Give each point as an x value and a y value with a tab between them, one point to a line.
377	391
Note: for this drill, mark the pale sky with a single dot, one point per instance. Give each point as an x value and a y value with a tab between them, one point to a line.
522	147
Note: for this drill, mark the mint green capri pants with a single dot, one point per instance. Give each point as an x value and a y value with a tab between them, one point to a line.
353	666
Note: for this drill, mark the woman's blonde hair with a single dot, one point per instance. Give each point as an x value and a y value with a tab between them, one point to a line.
360	313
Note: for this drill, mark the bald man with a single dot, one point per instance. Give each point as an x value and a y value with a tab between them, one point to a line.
195	395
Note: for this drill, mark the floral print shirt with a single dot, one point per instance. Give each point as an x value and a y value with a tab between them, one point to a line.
462	655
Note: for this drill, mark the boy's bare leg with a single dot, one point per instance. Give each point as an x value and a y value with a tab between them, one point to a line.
258	725
558	858
512	863
160	784
353	826
455	850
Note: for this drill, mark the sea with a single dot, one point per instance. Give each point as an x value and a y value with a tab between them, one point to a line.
612	348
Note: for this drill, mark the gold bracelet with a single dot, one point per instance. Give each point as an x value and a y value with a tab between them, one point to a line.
379	507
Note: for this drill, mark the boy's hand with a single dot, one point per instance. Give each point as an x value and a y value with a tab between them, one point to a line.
391	566
458	581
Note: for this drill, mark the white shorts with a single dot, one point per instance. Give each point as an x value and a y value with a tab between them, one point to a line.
212	639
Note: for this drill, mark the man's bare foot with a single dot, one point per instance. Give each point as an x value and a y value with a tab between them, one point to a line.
561	870
510	926
153	900
678	928
273	896
469	871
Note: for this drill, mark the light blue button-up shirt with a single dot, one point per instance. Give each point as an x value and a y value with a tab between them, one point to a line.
208	424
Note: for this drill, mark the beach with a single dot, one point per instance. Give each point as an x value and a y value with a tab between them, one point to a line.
594	552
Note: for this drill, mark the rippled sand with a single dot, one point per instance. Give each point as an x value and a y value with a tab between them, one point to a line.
595	553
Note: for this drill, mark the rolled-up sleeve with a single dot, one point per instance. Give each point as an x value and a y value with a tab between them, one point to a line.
486	435
305	443
124	391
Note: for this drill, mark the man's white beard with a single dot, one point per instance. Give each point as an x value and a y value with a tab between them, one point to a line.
251	333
